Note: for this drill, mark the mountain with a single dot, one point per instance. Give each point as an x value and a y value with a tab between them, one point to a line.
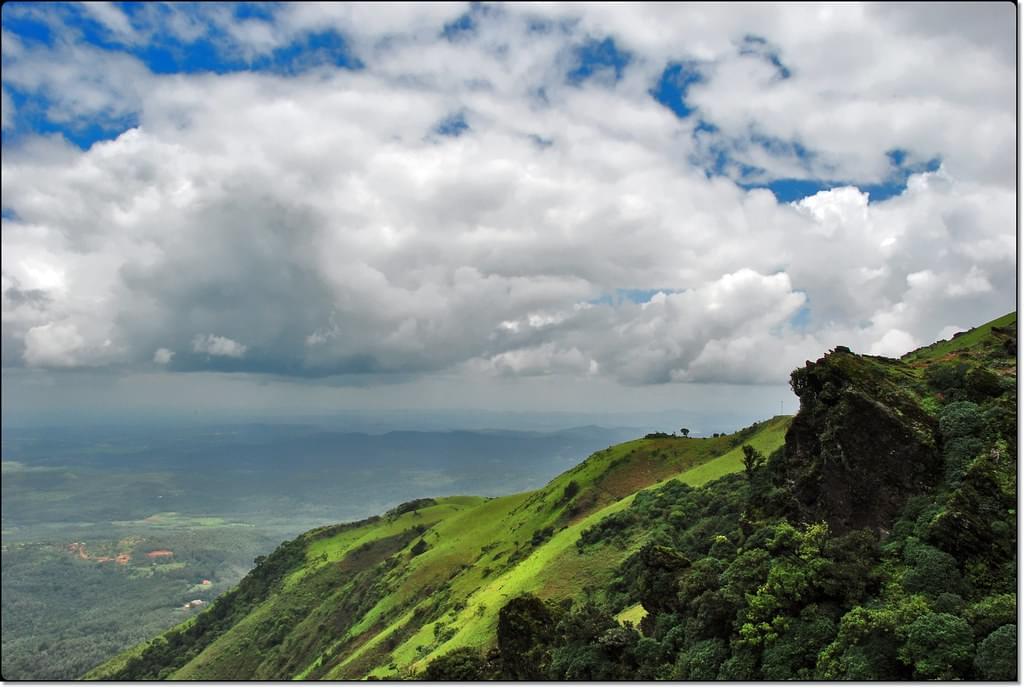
871	536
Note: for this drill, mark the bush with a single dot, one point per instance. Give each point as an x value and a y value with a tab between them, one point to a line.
981	384
991	613
702	661
525	629
540	536
997	655
948	378
932	571
960	419
938	646
463	664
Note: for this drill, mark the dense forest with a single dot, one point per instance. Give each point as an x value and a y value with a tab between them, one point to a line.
872	536
69	605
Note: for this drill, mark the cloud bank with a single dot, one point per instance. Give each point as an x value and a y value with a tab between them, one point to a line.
481	191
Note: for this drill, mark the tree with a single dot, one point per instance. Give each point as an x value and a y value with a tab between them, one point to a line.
938	646
752	459
701	661
462	664
931	571
570	491
654	571
525	631
997	655
960	419
593	646
685	431
992	612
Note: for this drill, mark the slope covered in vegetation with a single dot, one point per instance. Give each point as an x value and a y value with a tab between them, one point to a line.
385	595
878	543
873	536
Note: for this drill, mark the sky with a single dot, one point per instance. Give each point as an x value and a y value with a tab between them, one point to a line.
524	207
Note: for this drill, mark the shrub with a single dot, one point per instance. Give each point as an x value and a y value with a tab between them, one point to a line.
960	419
938	646
702	661
570	491
997	655
932	571
463	664
991	613
525	629
539	536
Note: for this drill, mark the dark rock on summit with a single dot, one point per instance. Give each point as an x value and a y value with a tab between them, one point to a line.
860	446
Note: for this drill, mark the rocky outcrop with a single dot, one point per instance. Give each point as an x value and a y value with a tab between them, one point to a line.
860	445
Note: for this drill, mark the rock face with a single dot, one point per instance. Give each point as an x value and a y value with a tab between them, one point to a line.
860	445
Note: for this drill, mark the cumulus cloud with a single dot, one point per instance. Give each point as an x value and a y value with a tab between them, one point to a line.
53	345
319	224
894	343
215	345
948	331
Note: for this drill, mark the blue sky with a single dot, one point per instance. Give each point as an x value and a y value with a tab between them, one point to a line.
165	53
645	198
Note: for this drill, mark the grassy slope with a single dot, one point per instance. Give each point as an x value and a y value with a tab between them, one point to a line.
504	527
479	553
964	341
557	570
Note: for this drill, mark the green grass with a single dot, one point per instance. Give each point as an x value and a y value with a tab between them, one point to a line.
115	664
479	553
633	615
769	438
172	566
968	340
558	561
173	519
229	645
477	630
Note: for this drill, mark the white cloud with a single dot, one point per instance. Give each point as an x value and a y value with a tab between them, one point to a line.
81	85
948	331
215	345
7	110
53	345
162	356
320	220
894	343
112	19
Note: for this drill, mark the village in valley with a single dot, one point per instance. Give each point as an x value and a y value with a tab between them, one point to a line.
124	557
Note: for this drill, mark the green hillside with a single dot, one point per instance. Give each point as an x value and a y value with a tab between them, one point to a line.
964	341
872	536
427	569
